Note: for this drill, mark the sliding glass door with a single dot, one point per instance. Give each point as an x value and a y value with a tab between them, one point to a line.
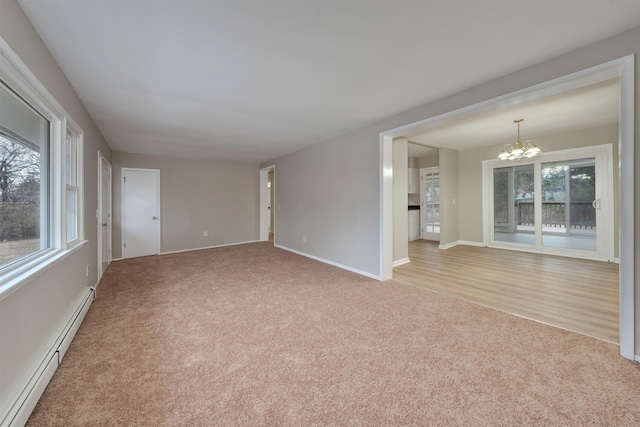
560	203
569	204
513	213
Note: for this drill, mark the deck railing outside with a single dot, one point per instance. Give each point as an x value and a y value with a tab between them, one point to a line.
582	215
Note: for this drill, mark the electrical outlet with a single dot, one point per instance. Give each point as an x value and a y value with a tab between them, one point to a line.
87	270
304	239
205	233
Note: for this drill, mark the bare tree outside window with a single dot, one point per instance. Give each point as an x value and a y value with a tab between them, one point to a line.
19	200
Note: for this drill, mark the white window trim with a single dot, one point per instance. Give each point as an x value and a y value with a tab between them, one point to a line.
16	74
73	130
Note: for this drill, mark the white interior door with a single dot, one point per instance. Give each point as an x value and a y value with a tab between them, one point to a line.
140	212
104	214
430	204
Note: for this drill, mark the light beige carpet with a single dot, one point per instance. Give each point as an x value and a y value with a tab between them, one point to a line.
255	336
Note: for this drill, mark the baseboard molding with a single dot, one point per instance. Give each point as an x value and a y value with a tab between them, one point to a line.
209	247
470	243
31	392
335	264
449	245
199	249
462	242
401	262
637	358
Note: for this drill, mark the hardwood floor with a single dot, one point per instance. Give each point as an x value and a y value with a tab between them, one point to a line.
574	294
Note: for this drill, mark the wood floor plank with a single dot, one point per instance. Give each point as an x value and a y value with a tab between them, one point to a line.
575	294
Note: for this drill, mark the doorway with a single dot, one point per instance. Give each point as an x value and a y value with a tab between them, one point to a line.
140	212
623	69
267	203
104	214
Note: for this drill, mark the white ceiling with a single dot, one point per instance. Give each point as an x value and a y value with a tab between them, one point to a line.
253	80
587	107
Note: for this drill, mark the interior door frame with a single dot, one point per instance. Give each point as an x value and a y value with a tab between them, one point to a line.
603	155
158	207
264	203
622	68
99	213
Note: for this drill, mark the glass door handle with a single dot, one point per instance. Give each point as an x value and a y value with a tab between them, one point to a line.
596	204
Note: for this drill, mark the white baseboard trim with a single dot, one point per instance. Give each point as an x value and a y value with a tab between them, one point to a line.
209	247
461	242
616	260
449	245
335	264
637	357
470	243
199	249
401	262
30	393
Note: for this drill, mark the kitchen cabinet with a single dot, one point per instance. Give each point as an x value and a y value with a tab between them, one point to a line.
414	224
414	180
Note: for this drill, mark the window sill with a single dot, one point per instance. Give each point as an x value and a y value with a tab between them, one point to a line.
13	280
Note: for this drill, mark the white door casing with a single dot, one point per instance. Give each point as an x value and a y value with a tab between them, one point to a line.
104	214
140	212
267	215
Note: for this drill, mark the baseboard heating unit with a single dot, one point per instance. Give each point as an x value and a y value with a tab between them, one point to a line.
25	402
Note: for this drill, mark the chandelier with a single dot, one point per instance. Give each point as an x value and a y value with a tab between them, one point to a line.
518	150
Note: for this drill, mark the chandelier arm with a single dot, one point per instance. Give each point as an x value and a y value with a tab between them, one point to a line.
518	150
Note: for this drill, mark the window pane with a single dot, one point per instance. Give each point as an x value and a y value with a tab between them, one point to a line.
568	214
72	214
24	173
513	208
70	161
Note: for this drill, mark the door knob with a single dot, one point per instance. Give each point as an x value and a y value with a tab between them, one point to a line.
104	225
155	217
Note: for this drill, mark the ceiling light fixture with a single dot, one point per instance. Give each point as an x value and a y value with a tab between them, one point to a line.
518	150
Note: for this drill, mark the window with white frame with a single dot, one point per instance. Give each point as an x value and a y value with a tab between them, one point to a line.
24	178
40	175
73	173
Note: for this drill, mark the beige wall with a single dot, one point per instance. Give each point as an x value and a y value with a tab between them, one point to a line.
400	199
448	170
428	162
32	317
329	193
470	178
196	196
